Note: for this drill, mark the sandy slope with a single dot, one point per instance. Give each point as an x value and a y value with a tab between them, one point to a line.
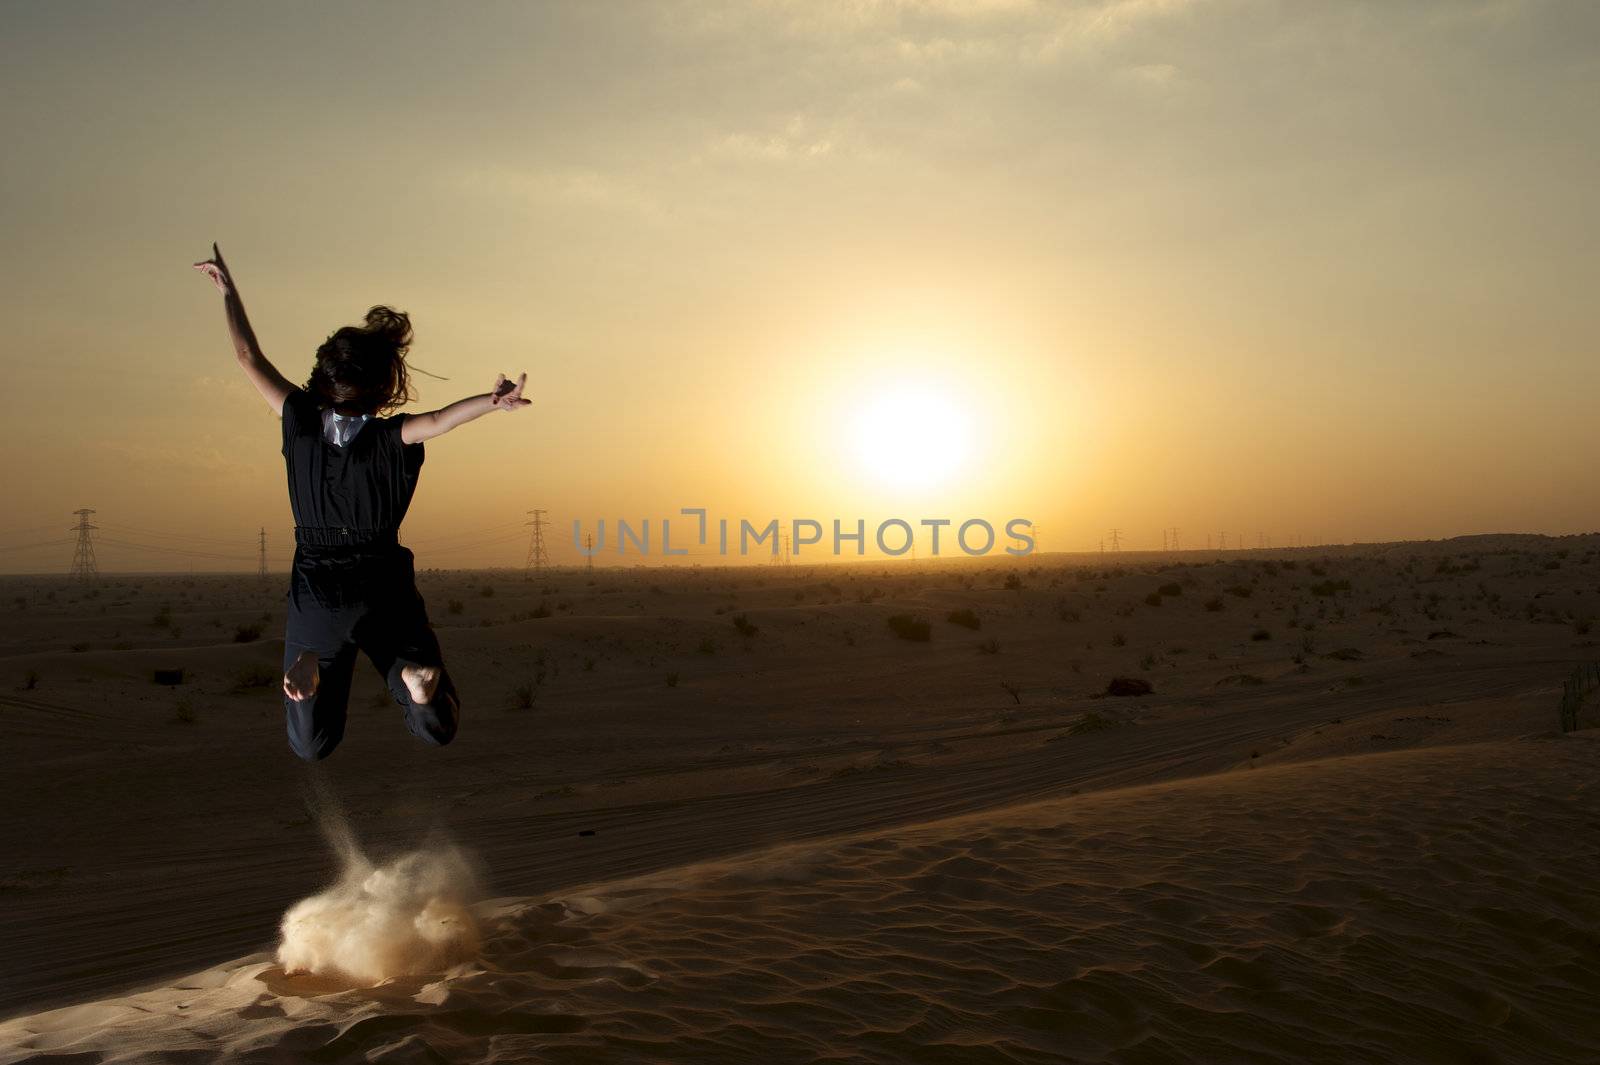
150	831
1427	905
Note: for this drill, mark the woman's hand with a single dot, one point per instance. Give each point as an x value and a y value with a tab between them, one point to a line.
507	396
217	270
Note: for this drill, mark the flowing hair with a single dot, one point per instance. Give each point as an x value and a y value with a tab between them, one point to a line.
361	369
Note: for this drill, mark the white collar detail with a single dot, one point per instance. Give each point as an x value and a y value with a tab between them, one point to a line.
340	429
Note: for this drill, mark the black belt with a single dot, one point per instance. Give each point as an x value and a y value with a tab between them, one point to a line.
341	536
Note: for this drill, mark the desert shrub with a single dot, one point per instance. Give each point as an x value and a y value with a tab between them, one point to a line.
965	617
79	647
1153	599
1329	587
909	628
183	713
540	611
30	680
1345	654
1170	589
1013	691
990	646
1118	640
1090	722
455	606
1214	604
487	591
744	626
247	633
1013	582
1582	626
708	646
1261	634
1129	686
1239	590
672	680
523	695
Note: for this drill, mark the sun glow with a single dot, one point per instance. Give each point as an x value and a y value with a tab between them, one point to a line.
912	435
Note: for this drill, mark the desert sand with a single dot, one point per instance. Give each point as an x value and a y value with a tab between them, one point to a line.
727	815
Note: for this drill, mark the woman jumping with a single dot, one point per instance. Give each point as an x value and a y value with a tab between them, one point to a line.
351	477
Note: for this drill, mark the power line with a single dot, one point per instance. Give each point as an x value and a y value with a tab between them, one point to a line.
472	532
184	551
58	541
189	537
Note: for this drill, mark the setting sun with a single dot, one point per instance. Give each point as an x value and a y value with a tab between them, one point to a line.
912	435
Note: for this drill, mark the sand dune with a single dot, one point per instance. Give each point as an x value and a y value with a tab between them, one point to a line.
1424	905
716	807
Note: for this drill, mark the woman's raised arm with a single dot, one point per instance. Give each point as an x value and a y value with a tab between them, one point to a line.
505	396
272	385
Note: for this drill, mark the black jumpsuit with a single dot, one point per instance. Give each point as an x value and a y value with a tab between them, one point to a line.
352	585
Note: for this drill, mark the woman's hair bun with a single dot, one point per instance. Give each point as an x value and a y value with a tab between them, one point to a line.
363	368
394	326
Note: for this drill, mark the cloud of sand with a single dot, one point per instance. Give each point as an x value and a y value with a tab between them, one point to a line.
411	914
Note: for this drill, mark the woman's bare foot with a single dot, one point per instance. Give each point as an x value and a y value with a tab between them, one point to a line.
301	680
421	681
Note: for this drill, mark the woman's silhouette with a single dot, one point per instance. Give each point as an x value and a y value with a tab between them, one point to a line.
352	471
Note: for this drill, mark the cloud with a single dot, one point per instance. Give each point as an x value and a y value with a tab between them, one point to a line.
1155	78
795	142
204	458
1093	27
233	386
559	186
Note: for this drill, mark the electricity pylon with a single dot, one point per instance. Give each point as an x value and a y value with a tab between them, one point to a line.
537	559
263	555
588	543
83	564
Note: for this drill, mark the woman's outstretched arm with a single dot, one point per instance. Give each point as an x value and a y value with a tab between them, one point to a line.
272	385
505	396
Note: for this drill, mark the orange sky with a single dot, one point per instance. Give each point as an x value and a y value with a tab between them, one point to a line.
1314	271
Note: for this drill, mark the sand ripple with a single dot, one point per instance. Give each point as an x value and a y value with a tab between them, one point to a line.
1425	906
